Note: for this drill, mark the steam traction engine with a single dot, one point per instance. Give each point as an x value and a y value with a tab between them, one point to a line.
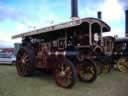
120	54
68	49
121	49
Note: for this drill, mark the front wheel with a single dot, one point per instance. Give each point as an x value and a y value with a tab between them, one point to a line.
65	74
87	71
122	64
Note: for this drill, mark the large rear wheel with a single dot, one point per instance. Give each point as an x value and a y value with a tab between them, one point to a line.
87	71
65	74
24	62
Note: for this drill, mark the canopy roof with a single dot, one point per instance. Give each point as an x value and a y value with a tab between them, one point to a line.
70	24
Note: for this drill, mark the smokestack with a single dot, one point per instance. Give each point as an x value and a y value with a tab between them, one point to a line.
126	23
74	9
99	15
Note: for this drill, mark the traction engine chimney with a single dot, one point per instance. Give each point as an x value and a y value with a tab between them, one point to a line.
74	9
126	23
99	15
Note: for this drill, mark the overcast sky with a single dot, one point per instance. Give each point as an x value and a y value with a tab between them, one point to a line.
17	16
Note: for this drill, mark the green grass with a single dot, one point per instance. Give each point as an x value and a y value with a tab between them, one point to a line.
112	84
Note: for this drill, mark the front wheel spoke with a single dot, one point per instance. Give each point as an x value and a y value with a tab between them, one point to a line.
62	67
67	80
126	63
69	75
121	63
88	76
87	72
67	69
59	73
92	70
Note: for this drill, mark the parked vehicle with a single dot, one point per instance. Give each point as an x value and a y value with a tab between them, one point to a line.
6	58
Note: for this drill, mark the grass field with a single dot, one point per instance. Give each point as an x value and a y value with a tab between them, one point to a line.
112	84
